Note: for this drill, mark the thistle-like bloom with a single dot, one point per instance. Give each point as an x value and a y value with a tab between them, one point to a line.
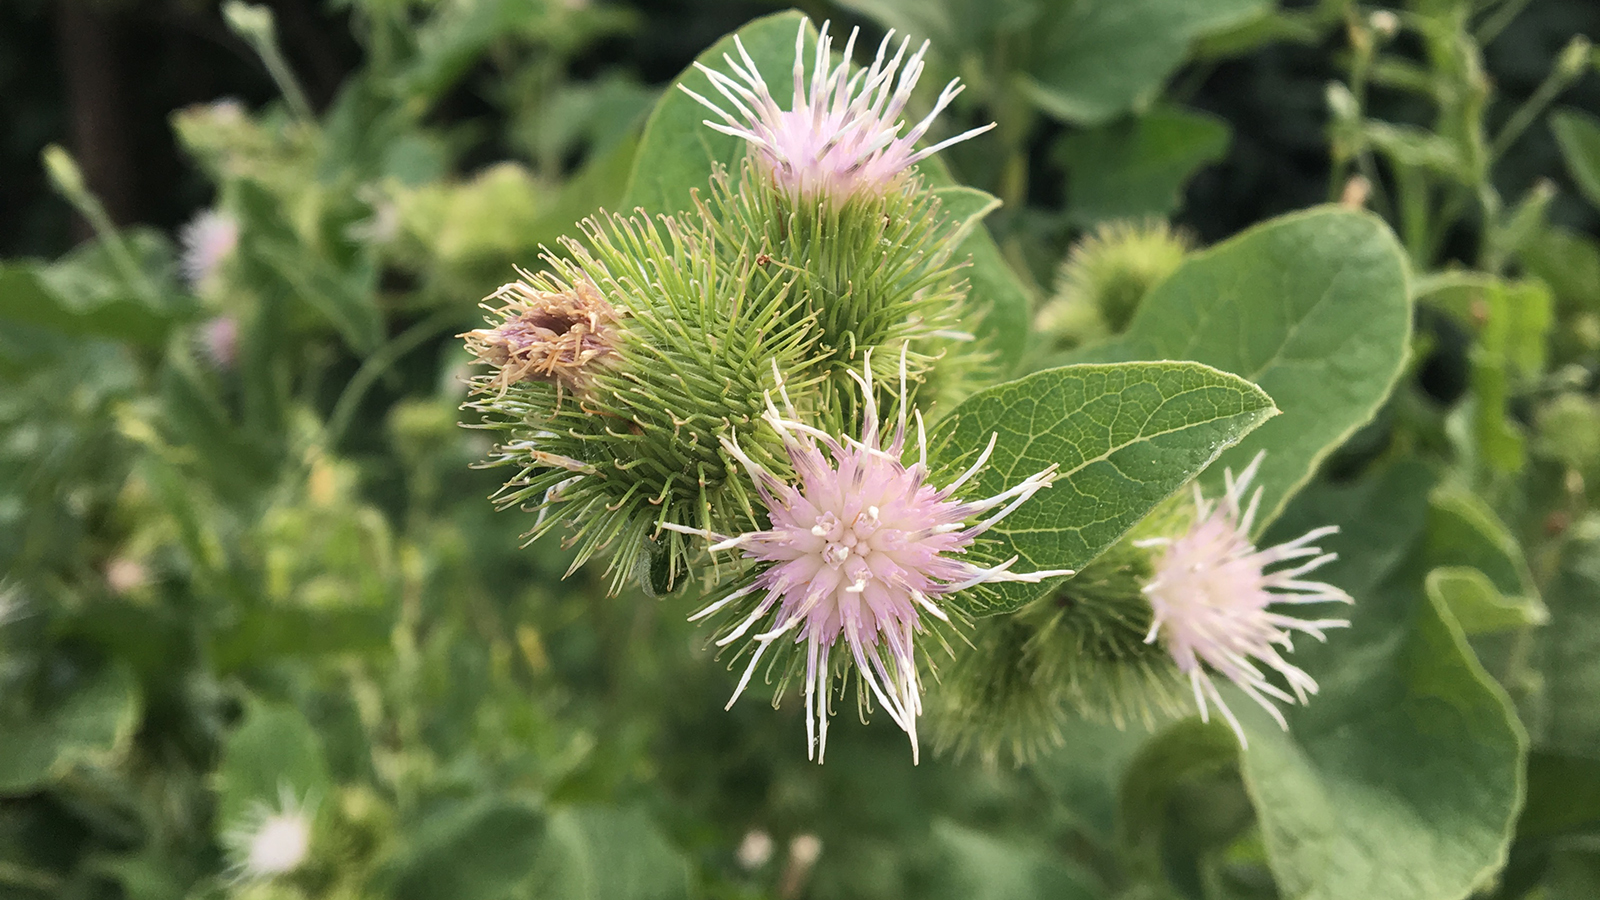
208	240
858	552
842	137
1212	593
272	841
219	341
548	335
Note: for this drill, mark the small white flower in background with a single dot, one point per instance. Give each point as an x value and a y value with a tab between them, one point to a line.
754	850
272	841
124	575
859	551
842	137
208	240
804	851
1212	593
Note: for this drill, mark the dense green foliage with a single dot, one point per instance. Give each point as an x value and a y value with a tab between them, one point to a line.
250	570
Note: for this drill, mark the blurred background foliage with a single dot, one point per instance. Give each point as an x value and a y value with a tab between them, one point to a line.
246	557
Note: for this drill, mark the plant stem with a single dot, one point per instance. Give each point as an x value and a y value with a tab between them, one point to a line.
69	183
1496	23
374	367
1545	94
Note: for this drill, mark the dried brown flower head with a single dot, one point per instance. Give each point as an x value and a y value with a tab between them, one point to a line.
546	335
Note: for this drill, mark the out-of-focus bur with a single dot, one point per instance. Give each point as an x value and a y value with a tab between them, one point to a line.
209	241
1105	278
547	331
218	339
1078	652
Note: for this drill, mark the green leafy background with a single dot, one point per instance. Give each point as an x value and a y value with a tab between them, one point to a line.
247	560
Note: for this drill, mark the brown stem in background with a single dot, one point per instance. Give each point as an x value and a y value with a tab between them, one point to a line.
96	102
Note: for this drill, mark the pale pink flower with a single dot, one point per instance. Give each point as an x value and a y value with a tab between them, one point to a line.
219	341
1212	595
859	551
841	137
208	240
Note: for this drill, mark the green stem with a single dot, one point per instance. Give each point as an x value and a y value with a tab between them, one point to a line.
68	180
1496	23
1554	83
374	367
1415	224
279	69
259	29
1361	40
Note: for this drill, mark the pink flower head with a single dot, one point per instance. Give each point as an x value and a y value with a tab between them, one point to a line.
857	552
219	341
1211	594
207	240
842	137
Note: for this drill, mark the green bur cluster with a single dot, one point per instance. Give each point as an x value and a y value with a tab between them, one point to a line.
710	312
1079	651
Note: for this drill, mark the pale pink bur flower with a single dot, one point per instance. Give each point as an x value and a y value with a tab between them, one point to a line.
208	240
219	341
841	137
1212	596
857	552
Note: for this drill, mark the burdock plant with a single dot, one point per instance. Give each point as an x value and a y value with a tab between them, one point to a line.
621	376
738	390
615	375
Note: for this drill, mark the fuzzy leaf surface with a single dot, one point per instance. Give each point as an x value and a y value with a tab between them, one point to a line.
1314	307
1000	302
602	853
480	850
275	750
1125	438
1082	62
1137	167
1475	602
1570	652
1096	60
978	866
1463	532
1403	777
1578	135
88	723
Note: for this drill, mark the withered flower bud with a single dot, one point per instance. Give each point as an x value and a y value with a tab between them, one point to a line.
547	335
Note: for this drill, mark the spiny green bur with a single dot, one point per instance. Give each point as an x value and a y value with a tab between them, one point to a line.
1078	651
713	309
871	272
694	353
